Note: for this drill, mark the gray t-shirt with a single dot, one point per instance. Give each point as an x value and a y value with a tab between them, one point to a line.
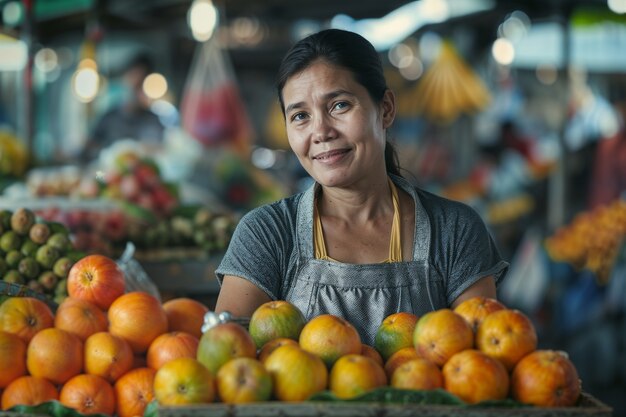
272	246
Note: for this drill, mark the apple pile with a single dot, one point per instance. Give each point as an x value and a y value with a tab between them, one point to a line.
35	253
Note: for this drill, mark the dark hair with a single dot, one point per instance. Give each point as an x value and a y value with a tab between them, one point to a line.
344	49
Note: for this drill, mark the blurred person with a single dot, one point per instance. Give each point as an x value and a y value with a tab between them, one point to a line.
132	118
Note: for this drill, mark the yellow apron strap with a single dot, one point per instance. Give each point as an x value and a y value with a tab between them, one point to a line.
395	242
318	235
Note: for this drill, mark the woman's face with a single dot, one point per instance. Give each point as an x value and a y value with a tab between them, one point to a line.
334	128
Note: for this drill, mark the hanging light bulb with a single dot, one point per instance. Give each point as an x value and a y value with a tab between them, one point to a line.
202	19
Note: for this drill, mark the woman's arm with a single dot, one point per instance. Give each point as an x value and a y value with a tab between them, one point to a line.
239	297
485	287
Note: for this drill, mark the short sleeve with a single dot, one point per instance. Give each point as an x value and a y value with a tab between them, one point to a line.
472	253
254	252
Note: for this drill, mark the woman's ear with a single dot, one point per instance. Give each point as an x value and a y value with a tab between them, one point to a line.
388	108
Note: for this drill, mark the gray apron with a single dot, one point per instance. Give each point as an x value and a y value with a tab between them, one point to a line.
364	294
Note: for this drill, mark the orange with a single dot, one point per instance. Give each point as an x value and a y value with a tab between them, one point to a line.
546	378
224	342
395	333
183	381
296	373
353	375
370	352
243	380
96	278
80	317
185	315
440	334
418	373
12	358
107	356
139	318
25	316
134	391
330	337
507	335
54	354
88	394
28	390
475	309
170	346
473	376
272	345
275	319
398	358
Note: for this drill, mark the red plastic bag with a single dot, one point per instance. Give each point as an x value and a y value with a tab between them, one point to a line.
212	110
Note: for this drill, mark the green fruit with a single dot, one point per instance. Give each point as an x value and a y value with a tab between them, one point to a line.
10	241
35	286
39	233
5	219
22	220
13	277
62	267
61	288
13	258
29	248
47	255
48	280
59	298
4	267
56	227
28	267
60	241
75	255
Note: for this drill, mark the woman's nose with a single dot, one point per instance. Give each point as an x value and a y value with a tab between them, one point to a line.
323	130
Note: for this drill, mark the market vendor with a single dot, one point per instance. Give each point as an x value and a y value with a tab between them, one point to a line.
362	242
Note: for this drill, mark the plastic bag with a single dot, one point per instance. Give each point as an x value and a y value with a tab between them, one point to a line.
136	277
212	110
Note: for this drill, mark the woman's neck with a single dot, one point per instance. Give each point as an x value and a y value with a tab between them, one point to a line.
359	204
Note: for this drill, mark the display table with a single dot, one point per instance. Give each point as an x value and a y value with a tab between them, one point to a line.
589	406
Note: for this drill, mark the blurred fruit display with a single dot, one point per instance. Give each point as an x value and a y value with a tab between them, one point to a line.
592	240
14	157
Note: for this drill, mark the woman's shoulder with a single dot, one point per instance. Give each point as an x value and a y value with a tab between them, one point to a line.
441	209
281	212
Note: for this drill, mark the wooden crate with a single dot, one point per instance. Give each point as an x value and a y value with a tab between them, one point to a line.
588	407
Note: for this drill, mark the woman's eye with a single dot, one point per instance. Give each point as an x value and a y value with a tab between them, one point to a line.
340	105
298	117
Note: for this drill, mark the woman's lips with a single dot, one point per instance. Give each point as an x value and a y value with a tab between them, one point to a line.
331	156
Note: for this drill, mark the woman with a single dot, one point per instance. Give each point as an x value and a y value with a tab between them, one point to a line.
362	243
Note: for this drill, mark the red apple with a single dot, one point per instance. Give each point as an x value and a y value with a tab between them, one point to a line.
546	378
96	278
